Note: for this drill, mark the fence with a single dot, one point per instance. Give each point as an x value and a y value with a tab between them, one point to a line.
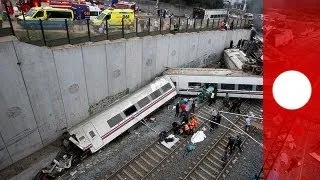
55	33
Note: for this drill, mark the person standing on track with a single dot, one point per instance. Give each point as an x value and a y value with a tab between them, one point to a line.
183	109
231	142
238	143
177	109
239	102
248	124
193	107
218	119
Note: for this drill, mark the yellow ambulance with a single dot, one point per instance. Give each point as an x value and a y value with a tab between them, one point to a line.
114	17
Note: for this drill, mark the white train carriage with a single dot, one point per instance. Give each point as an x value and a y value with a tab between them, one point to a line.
189	81
99	130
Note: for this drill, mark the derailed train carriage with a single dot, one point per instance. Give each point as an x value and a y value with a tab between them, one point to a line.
99	130
238	84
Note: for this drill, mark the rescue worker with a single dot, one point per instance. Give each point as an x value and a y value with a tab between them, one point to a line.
225	158
193	123
183	108
193	106
231	142
226	101
239	102
238	143
233	107
248	124
215	91
177	109
212	123
218	119
176	128
184	118
213	119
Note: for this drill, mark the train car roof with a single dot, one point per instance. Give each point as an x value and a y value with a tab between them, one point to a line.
208	72
125	102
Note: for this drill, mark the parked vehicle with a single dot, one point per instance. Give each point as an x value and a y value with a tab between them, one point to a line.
114	17
52	18
200	13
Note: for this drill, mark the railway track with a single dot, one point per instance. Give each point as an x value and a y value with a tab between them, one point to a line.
153	156
210	165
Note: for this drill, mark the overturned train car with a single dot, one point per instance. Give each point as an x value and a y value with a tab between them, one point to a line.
99	130
238	84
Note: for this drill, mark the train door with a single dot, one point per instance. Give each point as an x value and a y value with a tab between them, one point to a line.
175	81
93	136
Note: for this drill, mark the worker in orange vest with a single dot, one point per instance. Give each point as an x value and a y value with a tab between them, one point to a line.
193	123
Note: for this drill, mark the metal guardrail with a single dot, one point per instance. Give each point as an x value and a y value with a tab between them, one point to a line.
42	33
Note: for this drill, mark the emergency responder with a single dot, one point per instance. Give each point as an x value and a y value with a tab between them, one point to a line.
193	123
238	143
231	142
226	101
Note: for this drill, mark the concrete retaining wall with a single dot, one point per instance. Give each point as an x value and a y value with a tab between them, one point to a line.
45	91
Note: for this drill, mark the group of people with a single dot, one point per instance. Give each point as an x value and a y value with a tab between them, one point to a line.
186	127
233	143
226	26
188	122
183	108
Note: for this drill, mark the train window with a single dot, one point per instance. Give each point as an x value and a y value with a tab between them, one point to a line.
259	88
245	87
115	120
92	134
155	94
207	85
143	102
194	84
166	87
227	86
132	109
81	138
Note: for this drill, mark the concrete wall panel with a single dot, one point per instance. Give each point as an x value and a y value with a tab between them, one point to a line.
162	53
133	63
192	46
174	43
26	146
72	82
116	66
183	49
39	71
149	53
95	67
17	119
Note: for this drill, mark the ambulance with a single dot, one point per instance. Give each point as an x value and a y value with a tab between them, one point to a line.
114	17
